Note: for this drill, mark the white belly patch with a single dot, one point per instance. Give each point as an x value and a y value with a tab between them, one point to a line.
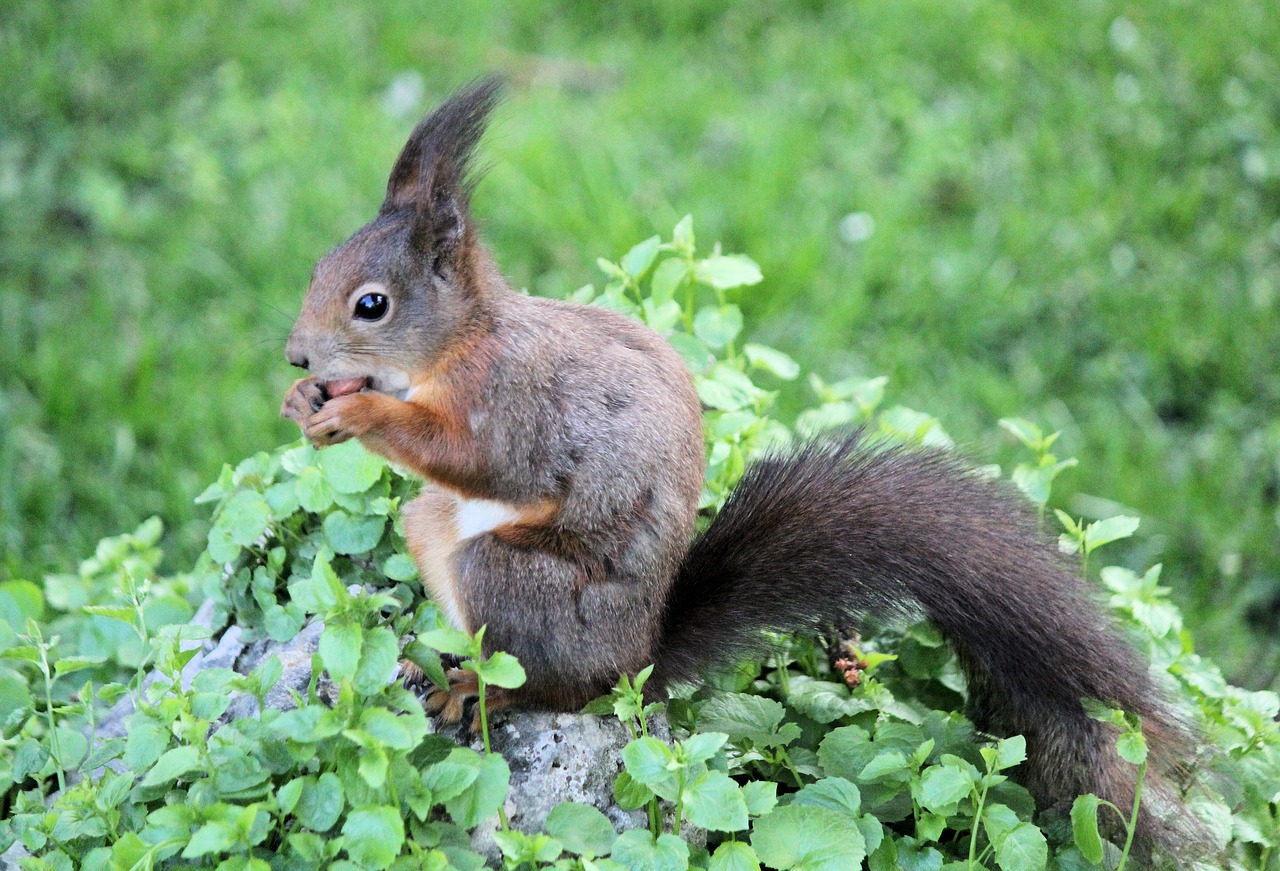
476	516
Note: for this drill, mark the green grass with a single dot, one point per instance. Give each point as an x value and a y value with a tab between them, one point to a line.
1075	219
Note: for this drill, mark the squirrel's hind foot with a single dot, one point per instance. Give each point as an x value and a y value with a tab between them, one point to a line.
460	701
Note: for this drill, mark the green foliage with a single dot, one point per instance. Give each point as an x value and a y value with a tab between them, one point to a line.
822	757
1066	210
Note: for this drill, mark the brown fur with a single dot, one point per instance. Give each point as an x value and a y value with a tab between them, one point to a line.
584	428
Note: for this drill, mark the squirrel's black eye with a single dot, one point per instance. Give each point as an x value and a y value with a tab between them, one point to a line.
371	307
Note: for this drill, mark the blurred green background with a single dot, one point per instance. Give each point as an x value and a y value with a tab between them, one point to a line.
1068	212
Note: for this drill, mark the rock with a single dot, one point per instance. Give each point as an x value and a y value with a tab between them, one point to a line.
556	758
294	656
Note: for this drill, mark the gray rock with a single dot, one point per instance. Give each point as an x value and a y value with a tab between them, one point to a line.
295	658
556	758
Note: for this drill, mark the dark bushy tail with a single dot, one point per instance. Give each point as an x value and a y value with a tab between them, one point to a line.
839	530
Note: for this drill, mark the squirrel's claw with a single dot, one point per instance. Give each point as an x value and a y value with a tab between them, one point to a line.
461	699
302	400
327	425
449	705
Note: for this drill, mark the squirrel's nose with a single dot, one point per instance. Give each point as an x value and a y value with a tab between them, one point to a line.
295	355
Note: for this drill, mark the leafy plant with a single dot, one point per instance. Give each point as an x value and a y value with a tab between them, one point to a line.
830	754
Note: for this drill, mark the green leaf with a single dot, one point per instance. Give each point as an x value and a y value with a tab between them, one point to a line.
373	765
1025	431
447	639
696	355
1023	849
1111	529
581	829
714	802
1010	752
826	701
661	317
718	395
398	732
1084	827
339	649
999	820
930	826
734	856
348	534
379	658
666	280
1037	481
20	601
761	796
373	836
726	271
349	468
28	759
638	851
1132	747
630	793
845	752
313	489
914	427
71	749
812	838
216	836
172	765
399	567
636	261
482	799
718	325
835	793
647	761
69	664
887	763
146	740
245	516
113	612
287	796
451	776
701	746
772	361
282	498
682	234
941	787
499	670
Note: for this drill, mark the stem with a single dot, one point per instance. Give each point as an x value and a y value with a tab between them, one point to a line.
689	293
48	711
1132	825
977	819
484	732
785	758
679	803
653	817
484	716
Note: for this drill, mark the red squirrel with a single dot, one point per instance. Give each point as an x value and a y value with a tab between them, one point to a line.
561	448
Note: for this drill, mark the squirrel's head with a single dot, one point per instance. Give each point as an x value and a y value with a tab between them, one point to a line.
384	304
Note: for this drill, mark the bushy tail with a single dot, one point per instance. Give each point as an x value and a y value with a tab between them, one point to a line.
840	530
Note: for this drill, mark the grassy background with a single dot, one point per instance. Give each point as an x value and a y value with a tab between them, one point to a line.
1067	212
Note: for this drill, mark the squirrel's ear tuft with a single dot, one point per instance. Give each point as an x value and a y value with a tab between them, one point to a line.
433	174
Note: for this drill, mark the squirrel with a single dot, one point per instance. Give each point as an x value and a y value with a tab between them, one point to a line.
561	447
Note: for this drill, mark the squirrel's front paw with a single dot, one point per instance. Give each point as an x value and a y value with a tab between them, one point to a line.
336	420
302	400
